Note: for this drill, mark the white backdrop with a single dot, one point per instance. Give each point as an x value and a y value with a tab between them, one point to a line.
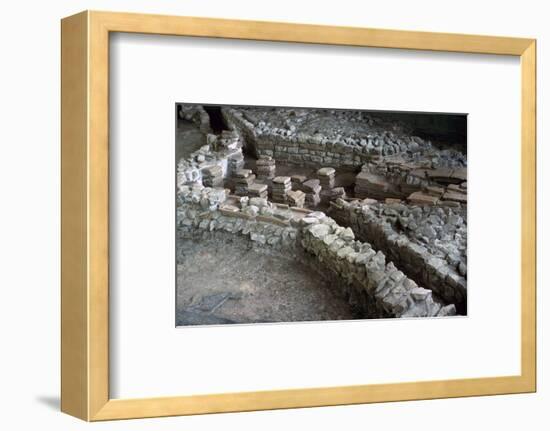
29	228
150	357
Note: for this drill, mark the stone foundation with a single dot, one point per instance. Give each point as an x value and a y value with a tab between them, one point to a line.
317	137
356	269
427	243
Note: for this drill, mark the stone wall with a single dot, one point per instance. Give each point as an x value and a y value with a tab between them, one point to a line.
377	285
298	149
354	267
317	138
435	257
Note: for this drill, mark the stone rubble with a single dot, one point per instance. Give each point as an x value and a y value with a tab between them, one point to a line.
205	164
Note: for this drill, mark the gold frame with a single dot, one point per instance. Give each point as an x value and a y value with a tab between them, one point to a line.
85	224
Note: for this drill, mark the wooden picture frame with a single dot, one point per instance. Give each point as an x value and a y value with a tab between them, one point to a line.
85	217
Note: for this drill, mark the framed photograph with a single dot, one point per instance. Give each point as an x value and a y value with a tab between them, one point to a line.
262	215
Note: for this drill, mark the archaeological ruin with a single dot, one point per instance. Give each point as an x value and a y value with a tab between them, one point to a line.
300	214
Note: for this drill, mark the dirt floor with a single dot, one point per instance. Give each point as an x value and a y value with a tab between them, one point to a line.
188	139
230	282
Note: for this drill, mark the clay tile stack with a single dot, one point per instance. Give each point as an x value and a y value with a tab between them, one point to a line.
312	188
265	168
371	185
212	176
421	198
332	194
257	190
297	181
280	188
243	179
326	177
235	162
296	198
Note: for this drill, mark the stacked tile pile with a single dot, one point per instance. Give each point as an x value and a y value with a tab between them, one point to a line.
265	168
326	177
448	175
234	163
414	181
456	193
212	176
372	185
280	188
243	179
453	195
422	198
365	184
312	188
296	198
297	181
332	194
257	190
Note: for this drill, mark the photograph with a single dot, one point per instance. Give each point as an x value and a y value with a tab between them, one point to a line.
255	216
291	214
